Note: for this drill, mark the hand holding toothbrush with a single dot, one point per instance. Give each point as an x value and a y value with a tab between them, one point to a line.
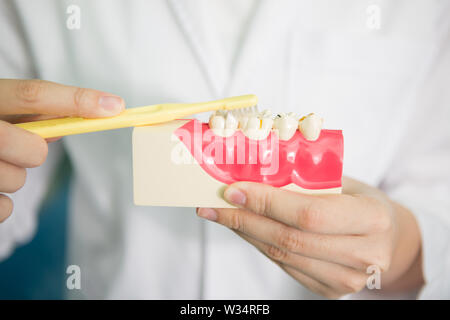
29	100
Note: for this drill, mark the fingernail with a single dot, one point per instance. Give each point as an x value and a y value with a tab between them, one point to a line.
111	104
207	213
235	196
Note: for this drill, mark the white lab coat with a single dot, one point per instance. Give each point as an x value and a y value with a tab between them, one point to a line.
387	89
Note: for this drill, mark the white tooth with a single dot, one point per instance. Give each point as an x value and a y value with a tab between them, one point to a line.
258	129
231	122
310	126
217	124
253	123
285	126
231	125
257	134
266	123
266	126
243	122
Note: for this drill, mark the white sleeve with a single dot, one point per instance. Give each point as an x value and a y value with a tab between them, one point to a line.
16	62
419	178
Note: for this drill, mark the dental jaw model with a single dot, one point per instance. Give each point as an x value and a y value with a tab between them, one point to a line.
188	163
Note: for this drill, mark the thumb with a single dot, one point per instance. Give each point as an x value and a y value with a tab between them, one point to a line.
45	97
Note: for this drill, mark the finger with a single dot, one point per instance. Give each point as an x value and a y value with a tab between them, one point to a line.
340	278
45	97
6	207
332	214
12	178
352	251
21	147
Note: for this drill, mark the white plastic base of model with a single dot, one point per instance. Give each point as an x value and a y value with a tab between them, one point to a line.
161	181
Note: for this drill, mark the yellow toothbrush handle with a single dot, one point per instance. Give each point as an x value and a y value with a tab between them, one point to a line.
133	117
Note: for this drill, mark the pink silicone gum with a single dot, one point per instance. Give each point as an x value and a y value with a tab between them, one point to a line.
308	164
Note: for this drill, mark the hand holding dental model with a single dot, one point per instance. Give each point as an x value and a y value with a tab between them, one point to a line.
327	242
323	239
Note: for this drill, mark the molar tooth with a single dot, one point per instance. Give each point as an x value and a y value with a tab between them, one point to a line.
266	124
285	126
243	120
258	129
310	126
231	122
253	123
231	125
217	124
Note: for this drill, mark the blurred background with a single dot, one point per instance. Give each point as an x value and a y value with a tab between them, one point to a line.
36	270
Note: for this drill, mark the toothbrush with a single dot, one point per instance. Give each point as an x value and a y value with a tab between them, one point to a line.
133	117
